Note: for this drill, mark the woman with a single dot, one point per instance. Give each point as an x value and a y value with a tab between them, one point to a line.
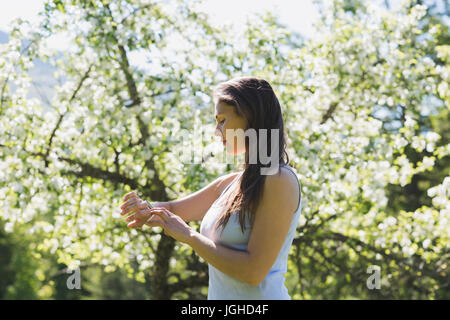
248	218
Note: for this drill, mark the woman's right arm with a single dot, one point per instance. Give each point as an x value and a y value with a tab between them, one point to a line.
194	206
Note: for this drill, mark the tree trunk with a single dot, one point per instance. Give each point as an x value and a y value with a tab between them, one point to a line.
159	285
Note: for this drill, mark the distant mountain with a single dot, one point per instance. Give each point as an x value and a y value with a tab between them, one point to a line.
42	75
3	37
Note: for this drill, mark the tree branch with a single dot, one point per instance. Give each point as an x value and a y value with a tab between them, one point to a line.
198	280
88	170
329	112
85	76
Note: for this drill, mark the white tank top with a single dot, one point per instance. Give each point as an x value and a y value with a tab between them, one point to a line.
224	287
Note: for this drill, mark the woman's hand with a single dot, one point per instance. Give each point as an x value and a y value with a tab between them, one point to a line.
172	224
139	209
159	216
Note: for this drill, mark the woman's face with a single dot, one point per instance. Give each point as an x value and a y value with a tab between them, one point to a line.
227	124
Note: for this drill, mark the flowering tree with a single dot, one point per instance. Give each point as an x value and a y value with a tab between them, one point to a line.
113	127
358	67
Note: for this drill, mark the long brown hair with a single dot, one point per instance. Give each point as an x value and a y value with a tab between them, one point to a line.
255	100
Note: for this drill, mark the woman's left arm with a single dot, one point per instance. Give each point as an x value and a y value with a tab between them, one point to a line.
233	263
266	239
229	261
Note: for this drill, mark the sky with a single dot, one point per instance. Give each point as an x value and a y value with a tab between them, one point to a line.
296	14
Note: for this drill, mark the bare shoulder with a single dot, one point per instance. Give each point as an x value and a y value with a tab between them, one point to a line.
282	188
284	178
224	181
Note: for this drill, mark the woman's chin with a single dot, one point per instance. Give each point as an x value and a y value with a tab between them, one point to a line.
233	152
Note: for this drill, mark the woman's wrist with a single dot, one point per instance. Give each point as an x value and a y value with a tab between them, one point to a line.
164	204
156	204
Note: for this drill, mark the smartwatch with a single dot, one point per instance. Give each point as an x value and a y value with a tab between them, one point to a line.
151	207
149	204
